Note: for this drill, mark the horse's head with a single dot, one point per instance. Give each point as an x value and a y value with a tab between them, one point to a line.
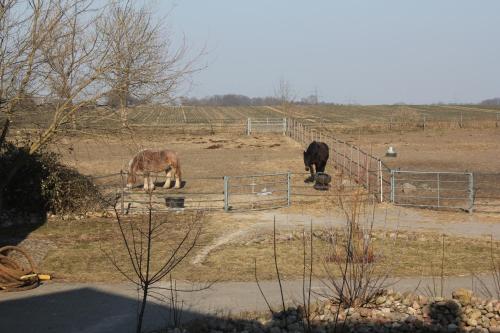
307	160
131	179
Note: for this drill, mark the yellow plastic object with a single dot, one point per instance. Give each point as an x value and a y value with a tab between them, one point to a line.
43	277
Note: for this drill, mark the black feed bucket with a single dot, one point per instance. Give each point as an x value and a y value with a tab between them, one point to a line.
322	181
174	202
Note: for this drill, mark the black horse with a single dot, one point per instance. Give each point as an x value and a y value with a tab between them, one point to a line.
315	156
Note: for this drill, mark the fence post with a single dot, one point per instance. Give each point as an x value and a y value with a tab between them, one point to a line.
424	123
438	190
350	163
471	192
249	126
289	189
393	187
284	126
498	119
461	120
122	199
358	174
367	168
381	180
226	193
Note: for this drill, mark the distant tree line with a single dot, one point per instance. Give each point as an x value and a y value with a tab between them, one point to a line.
491	101
242	100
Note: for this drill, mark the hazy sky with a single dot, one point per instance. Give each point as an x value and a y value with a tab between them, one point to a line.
368	52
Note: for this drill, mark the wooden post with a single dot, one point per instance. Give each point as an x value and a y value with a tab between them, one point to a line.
350	163
367	173
381	180
122	199
358	174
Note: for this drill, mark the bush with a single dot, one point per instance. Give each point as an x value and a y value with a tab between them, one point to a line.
42	184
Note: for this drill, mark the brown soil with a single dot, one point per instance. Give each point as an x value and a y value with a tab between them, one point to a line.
239	155
437	150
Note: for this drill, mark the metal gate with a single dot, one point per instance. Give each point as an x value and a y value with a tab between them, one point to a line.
266	125
487	192
452	190
256	192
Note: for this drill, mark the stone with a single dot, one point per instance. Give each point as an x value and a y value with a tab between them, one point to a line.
274	330
415	305
380	300
474	314
408	188
464	296
494	329
452	328
471	322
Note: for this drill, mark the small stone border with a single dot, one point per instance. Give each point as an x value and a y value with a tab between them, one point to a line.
390	312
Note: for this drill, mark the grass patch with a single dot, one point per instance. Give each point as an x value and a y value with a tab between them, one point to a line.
80	246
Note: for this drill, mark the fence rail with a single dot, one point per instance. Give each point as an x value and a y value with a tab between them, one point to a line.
356	167
440	190
266	125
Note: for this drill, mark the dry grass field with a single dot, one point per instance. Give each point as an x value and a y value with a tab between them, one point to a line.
78	251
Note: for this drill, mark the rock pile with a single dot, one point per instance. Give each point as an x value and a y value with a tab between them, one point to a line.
389	312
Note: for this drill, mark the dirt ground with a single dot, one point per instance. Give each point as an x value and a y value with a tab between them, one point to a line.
201	156
232	241
437	150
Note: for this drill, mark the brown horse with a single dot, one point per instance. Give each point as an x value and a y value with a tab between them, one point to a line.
148	160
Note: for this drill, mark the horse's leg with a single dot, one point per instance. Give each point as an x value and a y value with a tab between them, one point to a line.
167	179
146	182
321	166
177	178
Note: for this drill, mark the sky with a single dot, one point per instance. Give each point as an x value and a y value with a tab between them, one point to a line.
365	52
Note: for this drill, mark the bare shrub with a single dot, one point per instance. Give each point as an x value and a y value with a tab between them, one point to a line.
352	253
149	260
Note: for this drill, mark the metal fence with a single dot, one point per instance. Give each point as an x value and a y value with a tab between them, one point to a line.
486	192
229	193
266	125
450	190
256	192
439	190
363	168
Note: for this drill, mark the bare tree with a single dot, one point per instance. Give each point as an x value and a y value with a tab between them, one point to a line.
285	95
145	64
74	64
142	242
24	27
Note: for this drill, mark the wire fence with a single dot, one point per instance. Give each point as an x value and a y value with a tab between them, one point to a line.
353	162
451	190
355	169
421	122
431	189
